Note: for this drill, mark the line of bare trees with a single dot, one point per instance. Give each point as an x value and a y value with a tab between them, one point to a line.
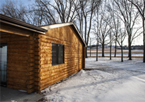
121	18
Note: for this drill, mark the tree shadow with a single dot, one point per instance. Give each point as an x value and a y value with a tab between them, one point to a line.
100	82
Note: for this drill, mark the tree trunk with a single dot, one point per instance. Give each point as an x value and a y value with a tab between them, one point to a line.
129	48
97	50
86	53
81	29
110	47
110	52
121	54
86	31
115	49
103	50
144	40
144	33
90	50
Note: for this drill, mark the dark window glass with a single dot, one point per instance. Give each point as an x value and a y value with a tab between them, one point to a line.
57	54
61	54
54	53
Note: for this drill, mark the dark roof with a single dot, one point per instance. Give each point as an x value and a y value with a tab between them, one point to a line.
47	27
42	29
21	24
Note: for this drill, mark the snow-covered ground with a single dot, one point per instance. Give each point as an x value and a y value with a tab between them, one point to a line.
103	81
116	54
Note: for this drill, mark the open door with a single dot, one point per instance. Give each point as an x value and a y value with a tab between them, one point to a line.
3	64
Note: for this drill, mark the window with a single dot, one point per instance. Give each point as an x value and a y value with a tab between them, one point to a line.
57	54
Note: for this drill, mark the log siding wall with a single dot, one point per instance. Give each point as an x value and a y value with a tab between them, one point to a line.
17	60
29	57
73	56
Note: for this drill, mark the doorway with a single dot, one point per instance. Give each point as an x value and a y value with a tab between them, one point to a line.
3	64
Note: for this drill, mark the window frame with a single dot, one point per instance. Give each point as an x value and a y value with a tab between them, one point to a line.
57	54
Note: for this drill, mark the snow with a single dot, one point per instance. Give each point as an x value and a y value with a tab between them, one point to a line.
103	81
129	91
113	54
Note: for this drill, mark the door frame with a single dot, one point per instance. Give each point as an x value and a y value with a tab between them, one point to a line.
5	64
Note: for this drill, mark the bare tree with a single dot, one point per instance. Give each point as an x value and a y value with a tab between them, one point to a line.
97	42
140	5
103	29
15	10
120	41
89	7
110	44
111	35
115	24
57	11
80	15
129	17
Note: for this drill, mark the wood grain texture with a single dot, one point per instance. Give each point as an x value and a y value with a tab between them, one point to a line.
29	58
17	60
73	56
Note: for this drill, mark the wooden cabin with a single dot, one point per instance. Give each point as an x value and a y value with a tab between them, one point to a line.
33	58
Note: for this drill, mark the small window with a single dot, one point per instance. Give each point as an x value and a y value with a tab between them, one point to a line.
57	54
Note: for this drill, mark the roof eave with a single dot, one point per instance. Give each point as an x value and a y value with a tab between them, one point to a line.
21	24
79	34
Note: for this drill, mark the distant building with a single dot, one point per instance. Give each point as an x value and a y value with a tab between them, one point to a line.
138	47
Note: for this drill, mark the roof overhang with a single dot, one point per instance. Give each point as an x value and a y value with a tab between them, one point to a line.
39	30
21	24
47	27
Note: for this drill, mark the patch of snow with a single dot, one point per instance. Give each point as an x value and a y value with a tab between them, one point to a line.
82	73
131	90
108	81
